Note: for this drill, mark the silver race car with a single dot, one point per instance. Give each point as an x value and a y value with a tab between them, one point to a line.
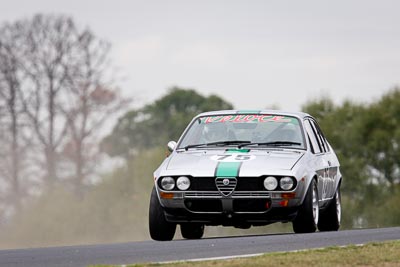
247	168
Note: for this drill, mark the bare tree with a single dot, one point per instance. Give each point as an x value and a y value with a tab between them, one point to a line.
65	94
14	142
93	100
44	58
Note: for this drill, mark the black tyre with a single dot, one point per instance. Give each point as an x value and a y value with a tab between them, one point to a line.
160	228
192	230
330	218
307	217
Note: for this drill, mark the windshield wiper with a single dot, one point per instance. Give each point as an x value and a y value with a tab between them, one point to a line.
275	143
219	143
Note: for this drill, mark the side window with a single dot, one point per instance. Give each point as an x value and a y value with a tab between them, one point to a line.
321	136
312	135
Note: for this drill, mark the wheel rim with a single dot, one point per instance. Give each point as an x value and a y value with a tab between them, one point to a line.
338	207
315	205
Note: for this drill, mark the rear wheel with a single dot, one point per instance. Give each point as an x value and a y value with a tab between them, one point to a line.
308	215
160	228
331	216
192	230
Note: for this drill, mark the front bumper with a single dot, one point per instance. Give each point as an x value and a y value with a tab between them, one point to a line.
240	209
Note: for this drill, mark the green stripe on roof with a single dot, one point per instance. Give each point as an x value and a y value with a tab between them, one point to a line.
228	169
249	111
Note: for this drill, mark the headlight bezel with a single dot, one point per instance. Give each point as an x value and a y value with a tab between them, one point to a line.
281	187
186	182
285	181
167	183
270	183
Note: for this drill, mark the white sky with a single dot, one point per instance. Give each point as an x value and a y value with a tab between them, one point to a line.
252	53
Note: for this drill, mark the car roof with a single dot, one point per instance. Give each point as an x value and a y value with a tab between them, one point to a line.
300	115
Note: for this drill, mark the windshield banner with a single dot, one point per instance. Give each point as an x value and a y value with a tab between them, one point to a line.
245	118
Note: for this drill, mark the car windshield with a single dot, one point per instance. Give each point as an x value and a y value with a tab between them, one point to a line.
246	130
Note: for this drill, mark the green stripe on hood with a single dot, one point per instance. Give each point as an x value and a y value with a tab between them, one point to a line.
234	150
230	169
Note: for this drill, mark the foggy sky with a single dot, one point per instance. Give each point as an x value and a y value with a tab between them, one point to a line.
252	53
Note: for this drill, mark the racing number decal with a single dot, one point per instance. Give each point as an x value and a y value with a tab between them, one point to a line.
243	157
222	157
233	157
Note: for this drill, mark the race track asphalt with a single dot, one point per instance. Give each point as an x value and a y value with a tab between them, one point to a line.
152	251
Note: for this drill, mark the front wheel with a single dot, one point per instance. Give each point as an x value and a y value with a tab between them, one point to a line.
192	230
160	228
307	218
331	216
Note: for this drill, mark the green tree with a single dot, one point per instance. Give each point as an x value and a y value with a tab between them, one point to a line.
366	139
381	138
342	126
157	123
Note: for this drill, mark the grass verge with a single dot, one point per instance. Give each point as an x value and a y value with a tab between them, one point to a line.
385	254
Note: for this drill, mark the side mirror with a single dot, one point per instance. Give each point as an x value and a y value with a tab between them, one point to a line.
171	146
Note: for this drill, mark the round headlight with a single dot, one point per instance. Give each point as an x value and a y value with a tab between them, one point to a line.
286	183
183	183
270	183
167	183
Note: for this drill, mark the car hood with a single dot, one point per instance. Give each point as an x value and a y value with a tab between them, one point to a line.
249	163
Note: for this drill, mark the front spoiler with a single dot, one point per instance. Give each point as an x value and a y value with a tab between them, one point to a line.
239	220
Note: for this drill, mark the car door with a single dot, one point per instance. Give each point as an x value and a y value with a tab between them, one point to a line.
332	171
330	163
322	162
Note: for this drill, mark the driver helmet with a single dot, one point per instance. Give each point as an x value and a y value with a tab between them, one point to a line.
216	131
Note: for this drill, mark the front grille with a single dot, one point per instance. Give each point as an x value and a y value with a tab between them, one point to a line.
225	185
250	184
243	184
235	194
210	194
251	194
203	184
